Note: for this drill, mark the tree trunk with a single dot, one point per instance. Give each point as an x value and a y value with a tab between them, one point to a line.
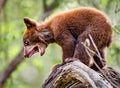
77	75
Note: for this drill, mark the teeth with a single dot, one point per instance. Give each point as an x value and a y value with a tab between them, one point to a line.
41	51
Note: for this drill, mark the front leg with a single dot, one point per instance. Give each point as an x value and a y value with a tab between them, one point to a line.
67	42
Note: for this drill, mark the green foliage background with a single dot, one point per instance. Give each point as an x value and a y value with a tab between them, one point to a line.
31	73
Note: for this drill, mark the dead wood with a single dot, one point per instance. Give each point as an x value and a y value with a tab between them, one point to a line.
77	75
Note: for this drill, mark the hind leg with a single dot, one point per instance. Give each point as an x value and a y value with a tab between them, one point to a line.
81	54
80	51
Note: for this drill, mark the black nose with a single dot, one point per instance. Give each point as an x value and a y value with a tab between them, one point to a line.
26	43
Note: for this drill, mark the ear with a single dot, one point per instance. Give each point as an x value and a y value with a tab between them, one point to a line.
46	34
29	22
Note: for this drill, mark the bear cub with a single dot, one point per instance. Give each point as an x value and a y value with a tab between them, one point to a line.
69	30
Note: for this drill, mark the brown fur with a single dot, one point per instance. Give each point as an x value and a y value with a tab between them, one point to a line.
69	29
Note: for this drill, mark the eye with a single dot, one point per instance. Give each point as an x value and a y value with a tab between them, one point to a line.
26	43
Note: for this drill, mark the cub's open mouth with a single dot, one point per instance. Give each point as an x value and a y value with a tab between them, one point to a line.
28	53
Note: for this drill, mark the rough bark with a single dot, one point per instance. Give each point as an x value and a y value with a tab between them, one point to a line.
77	75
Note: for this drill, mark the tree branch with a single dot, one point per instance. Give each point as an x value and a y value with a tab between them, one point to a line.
48	9
44	5
99	56
10	68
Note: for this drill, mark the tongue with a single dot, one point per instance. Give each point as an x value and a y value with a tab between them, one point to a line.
33	51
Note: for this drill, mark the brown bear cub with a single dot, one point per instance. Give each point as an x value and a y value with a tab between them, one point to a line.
69	29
